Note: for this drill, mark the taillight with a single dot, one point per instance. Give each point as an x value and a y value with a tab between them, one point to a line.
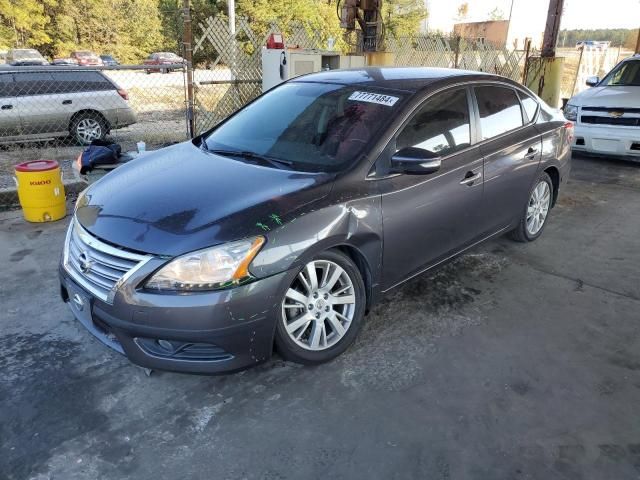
568	126
123	93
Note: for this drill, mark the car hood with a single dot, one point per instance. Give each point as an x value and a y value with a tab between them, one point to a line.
615	97
180	199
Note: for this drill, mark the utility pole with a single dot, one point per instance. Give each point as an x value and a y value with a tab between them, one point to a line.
187	39
638	42
506	39
551	29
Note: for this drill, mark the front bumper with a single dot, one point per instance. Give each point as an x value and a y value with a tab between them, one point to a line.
213	332
607	140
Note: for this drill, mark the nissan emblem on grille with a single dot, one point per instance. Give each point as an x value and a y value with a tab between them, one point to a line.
85	261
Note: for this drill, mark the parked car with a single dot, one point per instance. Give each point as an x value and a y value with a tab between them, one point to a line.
162	62
19	57
86	58
64	61
607	115
50	103
287	221
109	61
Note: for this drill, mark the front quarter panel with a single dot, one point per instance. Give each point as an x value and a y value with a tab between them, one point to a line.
356	223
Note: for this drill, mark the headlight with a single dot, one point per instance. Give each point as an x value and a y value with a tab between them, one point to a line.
209	269
571	112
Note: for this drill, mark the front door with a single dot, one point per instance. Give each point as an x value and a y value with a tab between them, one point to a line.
9	114
427	218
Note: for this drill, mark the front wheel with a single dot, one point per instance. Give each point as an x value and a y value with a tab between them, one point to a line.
535	216
322	310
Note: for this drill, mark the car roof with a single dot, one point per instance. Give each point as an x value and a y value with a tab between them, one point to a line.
411	79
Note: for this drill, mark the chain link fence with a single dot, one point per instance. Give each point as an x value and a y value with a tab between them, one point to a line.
53	112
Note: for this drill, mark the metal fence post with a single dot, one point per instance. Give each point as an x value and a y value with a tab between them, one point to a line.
527	52
187	39
575	79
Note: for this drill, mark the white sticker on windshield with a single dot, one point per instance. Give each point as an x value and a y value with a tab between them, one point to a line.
378	98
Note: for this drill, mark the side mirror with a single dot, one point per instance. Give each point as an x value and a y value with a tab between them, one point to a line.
415	161
593	81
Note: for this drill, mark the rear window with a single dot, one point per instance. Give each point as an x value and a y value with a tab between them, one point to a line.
529	104
76	81
499	109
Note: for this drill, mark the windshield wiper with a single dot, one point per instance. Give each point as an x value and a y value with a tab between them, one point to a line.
252	156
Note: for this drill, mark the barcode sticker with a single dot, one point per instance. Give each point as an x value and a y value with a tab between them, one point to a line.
370	97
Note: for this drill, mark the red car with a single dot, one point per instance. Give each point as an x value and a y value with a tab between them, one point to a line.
86	58
160	60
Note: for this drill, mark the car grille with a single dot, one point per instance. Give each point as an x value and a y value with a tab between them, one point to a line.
97	266
597	120
623	116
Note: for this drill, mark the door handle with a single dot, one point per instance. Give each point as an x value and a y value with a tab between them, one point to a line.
7	107
67	102
531	153
470	178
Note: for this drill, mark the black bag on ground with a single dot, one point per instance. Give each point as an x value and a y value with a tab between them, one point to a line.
100	152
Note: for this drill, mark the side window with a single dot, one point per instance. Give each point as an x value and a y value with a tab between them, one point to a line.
34	83
67	82
6	85
499	110
441	125
529	104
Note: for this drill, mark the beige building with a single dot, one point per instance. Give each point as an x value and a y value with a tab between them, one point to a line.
493	32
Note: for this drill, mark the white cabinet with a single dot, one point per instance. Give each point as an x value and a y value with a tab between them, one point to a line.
279	65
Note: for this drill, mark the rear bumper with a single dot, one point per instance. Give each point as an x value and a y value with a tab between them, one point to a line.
216	332
607	140
121	118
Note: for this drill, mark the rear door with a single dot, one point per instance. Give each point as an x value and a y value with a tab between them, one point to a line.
9	115
429	217
41	109
511	147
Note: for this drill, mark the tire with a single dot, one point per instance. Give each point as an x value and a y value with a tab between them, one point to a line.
87	127
536	211
311	328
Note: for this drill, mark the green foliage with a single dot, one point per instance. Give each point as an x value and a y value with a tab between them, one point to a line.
131	29
619	37
402	17
496	14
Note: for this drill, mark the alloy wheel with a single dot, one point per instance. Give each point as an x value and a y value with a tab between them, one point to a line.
538	207
320	305
88	129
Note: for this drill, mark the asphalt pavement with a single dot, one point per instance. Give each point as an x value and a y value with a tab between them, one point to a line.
516	361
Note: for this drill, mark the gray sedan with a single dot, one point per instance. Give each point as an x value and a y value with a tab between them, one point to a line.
285	223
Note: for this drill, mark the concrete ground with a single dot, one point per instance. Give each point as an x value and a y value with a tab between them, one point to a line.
514	362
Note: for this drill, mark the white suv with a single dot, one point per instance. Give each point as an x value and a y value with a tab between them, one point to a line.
607	116
47	103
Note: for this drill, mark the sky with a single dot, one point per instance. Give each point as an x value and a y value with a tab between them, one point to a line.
577	13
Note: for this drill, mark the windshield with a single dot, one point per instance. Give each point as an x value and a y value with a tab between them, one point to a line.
625	74
84	54
26	54
313	126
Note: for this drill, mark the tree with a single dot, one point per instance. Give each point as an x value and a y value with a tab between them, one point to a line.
403	17
496	14
23	22
463	12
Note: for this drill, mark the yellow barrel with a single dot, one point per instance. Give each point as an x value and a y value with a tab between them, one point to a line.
40	190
